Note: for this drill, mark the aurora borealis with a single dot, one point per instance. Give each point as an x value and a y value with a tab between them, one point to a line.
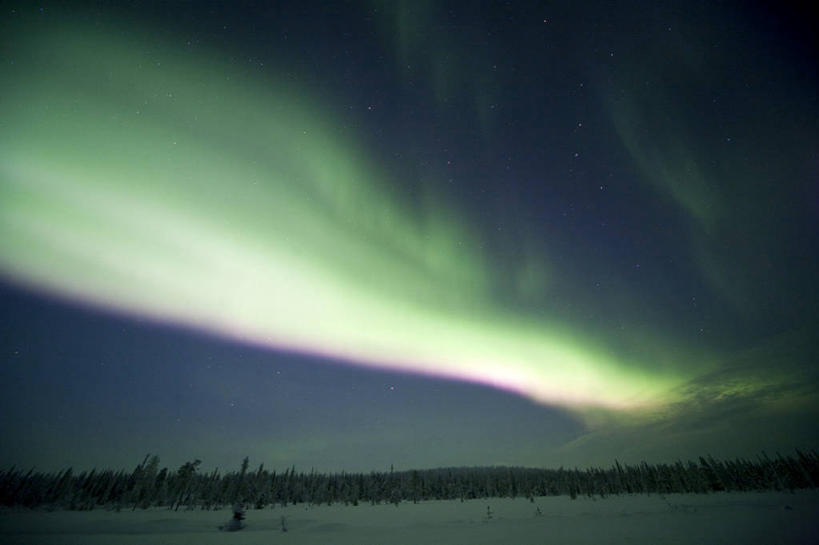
291	245
615	232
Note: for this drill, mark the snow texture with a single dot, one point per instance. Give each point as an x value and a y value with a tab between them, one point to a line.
767	518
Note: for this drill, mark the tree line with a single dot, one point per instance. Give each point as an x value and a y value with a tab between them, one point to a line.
187	487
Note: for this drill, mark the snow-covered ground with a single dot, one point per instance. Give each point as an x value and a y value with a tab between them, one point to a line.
731	518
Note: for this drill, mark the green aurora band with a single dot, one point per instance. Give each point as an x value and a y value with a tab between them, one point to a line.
142	178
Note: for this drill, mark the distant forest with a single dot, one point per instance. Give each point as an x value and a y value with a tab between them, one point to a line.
148	485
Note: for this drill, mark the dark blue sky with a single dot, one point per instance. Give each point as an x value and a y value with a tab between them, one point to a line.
85	388
639	179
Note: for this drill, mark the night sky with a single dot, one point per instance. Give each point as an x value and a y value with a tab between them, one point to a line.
350	235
